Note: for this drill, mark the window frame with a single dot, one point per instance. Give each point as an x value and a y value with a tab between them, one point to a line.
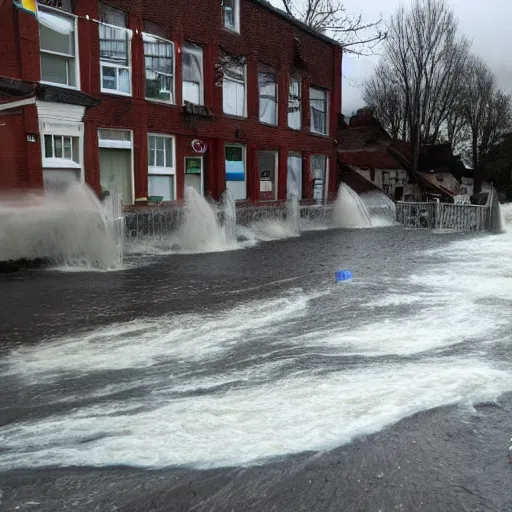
298	155
291	81
326	92
119	144
325	192
64	14
244	115
115	66
194	48
172	101
266	70
243	147
236	27
154	170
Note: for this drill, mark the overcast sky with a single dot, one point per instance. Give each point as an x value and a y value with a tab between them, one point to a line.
486	24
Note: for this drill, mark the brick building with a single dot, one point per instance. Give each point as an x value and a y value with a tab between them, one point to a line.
145	97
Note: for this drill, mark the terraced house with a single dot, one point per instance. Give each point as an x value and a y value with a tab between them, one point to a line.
145	97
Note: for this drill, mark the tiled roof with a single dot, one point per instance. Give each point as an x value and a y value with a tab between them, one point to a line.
369	159
354	180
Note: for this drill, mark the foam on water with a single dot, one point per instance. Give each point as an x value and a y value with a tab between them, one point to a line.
382	210
70	228
349	210
181	338
296	413
238	387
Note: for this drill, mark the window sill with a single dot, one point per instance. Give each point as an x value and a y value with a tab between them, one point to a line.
162	171
161	102
270	125
235	117
324	135
116	93
234	30
60	163
56	84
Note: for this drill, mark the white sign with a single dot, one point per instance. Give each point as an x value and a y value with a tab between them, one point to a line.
265	186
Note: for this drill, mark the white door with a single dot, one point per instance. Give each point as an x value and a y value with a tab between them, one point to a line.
194	173
116	172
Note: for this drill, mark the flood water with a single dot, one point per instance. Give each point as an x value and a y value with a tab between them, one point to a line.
249	380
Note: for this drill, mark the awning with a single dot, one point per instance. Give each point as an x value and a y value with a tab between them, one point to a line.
58	24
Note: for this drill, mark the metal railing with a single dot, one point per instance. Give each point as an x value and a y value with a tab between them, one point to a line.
453	217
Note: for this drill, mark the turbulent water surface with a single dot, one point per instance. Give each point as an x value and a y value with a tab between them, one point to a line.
249	380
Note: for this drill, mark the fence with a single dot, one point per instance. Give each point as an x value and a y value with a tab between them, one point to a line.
454	217
161	221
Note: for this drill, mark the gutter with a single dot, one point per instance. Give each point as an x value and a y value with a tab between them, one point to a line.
18	103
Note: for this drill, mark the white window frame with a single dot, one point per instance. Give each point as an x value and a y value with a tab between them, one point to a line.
172	101
299	81
117	67
326	180
276	174
119	144
63	14
245	91
154	170
326	134
60	162
299	156
198	157
269	71
244	160
61	120
194	48
236	27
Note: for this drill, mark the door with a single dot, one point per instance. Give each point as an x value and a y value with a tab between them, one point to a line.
267	167
194	173
116	173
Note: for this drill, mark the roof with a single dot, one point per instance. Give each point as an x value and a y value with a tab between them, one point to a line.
359	184
369	159
13	90
443	182
299	24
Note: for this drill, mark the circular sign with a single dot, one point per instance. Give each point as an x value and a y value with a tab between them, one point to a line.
198	146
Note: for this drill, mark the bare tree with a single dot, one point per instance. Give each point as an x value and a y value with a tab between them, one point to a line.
383	94
488	113
357	35
424	58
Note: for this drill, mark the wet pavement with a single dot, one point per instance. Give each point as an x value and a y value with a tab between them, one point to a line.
144	357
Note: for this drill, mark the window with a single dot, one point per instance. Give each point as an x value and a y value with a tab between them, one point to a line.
320	177
58	51
318	104
294	104
235	171
159	63
294	178
267	86
267	167
192	62
161	167
231	14
114	51
233	90
61	148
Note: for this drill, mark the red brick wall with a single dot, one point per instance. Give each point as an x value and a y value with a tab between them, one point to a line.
12	150
265	38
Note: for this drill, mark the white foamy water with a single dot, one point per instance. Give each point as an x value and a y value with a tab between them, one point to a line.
69	228
239	387
244	426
